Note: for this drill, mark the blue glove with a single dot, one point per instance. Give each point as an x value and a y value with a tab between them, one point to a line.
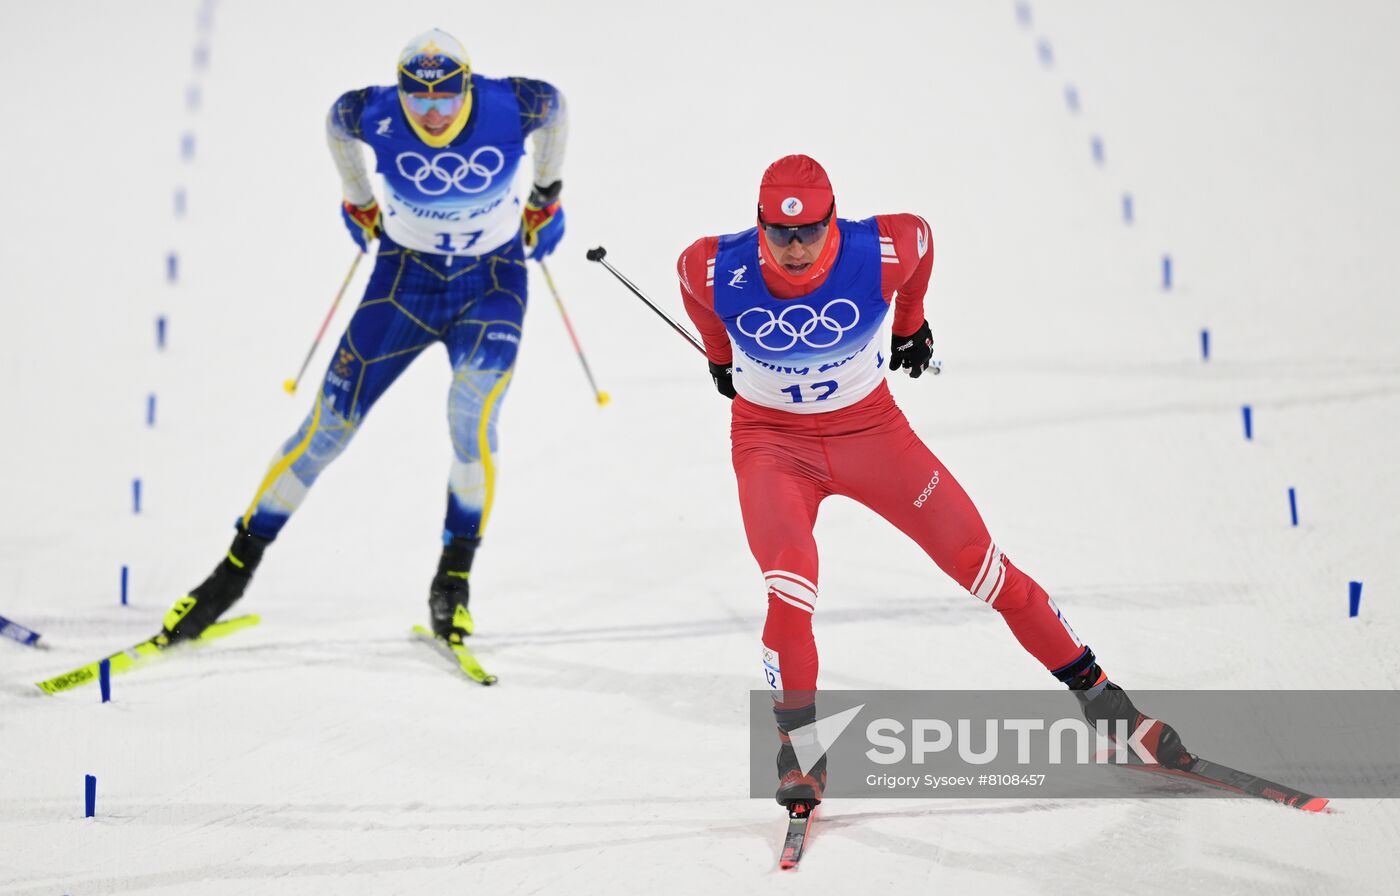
363	222
543	220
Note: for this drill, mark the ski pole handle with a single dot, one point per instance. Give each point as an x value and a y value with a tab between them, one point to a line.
599	254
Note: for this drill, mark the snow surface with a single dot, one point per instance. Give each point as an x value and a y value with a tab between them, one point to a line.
326	752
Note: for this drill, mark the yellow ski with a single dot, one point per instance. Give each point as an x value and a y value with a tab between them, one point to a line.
140	654
458	652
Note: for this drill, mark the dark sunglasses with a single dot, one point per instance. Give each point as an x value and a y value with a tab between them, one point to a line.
784	234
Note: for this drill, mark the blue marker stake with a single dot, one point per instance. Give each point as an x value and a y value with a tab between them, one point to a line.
172	267
1166	272
104	679
180	203
187	147
1293	504
151	410
1023	13
201	56
1127	208
1072	98
1205	345
1355	599
1096	146
90	795
1047	57
192	97
25	636
1248	422
136	496
160	331
126	578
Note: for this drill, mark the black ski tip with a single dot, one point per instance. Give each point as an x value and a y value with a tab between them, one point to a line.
596	254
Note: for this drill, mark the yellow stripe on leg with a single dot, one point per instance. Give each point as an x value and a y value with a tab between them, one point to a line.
483	446
285	462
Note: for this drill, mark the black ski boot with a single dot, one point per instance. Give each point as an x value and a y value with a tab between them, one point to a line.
796	787
1102	700
451	589
196	611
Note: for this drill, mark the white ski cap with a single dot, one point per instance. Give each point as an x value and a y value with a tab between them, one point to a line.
434	62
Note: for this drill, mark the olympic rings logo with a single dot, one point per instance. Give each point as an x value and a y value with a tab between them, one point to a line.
796	323
448	170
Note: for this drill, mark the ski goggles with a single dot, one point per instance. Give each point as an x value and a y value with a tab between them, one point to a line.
806	234
447	106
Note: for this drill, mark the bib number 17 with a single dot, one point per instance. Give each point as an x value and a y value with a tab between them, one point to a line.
457	242
818	391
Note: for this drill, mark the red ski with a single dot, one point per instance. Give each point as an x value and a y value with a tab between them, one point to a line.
799	823
1215	775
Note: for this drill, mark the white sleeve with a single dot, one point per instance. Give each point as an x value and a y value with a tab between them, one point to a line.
547	143
349	161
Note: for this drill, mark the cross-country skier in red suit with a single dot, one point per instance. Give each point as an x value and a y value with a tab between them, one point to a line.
791	312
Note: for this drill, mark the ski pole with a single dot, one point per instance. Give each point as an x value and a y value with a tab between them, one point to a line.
291	385
602	397
598	256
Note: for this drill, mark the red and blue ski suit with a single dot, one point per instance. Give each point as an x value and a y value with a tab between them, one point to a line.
814	417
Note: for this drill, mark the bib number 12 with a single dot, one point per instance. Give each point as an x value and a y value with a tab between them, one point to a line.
822	391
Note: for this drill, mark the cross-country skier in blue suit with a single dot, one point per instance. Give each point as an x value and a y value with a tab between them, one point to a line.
449	268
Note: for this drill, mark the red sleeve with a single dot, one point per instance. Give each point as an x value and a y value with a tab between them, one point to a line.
906	255
696	268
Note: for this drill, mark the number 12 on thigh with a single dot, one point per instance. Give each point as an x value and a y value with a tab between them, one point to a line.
446	243
823	390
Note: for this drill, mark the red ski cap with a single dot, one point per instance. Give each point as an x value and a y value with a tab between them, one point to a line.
795	190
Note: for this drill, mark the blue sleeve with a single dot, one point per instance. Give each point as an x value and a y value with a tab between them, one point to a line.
347	111
538	101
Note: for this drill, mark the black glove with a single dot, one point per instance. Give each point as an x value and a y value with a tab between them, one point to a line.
723	375
913	351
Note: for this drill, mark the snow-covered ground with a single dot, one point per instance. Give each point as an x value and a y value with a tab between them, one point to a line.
326	752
